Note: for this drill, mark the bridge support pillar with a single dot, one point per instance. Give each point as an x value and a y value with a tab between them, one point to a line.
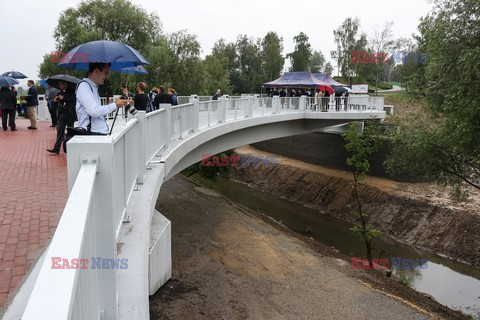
168	110
222	109
195	119
276	104
250	106
141	140
303	103
104	235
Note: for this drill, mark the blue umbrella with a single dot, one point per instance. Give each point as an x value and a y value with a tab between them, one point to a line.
7	81
44	83
134	70
103	51
14	75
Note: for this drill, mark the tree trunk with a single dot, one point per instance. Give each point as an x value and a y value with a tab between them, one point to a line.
368	244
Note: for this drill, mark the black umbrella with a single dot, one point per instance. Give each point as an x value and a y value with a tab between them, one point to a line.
7	81
71	81
340	89
14	75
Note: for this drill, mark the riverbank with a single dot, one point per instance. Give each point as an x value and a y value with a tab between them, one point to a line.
419	214
232	263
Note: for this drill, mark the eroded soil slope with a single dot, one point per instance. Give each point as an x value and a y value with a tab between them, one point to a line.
422	215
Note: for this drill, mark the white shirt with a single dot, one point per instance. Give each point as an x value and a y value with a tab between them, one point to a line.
88	104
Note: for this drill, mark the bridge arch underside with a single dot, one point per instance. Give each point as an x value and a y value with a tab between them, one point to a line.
225	137
178	156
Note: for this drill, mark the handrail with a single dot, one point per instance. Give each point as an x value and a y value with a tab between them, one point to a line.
62	286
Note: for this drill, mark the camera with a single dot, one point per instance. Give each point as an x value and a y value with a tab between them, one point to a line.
129	107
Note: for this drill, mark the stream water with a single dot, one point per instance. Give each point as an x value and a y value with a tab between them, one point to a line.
451	283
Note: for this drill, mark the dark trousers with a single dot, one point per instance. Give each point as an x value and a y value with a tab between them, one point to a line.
10	114
337	103
62	122
53	112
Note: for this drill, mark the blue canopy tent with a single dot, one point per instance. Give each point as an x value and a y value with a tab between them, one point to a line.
300	80
325	78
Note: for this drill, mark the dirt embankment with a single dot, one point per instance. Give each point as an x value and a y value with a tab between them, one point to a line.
418	214
229	264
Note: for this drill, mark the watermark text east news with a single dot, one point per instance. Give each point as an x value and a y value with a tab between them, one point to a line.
77	57
397	263
93	263
238	161
398	57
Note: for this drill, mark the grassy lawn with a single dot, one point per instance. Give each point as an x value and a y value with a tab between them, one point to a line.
403	102
395	83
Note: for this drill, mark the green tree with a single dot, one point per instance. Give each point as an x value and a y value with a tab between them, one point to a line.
300	57
161	64
187	71
443	144
317	64
116	20
328	68
227	53
380	43
218	75
48	68
250	62
100	19
272	58
348	40
359	147
409	73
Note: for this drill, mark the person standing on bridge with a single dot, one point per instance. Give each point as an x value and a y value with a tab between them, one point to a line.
151	97
90	112
217	95
161	97
67	115
8	102
32	103
141	98
173	96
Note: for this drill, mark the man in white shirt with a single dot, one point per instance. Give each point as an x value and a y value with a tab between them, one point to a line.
89	108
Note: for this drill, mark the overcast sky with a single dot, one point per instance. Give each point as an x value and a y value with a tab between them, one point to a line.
27	26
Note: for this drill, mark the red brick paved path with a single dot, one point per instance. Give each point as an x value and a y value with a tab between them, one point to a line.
34	191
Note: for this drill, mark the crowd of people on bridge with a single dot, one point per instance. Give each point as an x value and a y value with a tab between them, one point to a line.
67	104
319	99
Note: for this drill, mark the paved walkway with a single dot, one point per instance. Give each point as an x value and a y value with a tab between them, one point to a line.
34	192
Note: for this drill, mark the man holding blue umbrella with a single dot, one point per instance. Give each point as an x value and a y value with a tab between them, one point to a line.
90	112
101	56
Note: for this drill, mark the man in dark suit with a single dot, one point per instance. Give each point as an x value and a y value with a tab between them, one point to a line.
162	97
32	103
8	99
67	114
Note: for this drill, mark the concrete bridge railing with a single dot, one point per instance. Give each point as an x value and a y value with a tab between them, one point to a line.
89	258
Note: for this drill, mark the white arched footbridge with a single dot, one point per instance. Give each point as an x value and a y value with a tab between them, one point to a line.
112	248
